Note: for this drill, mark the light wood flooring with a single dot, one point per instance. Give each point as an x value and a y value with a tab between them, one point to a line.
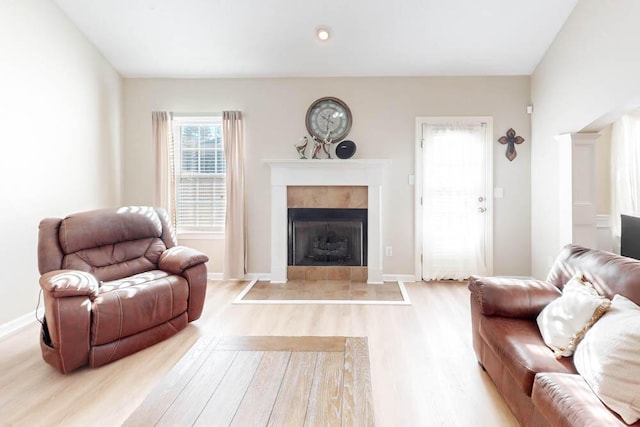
423	369
260	381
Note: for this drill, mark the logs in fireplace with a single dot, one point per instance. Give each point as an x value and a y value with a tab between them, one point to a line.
326	237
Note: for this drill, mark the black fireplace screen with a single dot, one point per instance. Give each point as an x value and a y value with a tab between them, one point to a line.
327	236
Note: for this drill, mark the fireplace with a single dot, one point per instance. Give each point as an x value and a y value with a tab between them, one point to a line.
327	237
367	173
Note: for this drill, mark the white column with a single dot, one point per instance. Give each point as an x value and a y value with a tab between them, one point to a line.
374	248
577	189
279	243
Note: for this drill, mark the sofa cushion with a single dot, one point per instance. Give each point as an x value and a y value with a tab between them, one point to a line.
518	344
567	400
128	306
565	320
608	358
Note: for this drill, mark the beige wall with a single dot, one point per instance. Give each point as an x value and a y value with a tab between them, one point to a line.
61	115
590	72
384	112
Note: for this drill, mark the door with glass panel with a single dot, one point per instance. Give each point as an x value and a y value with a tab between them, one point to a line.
455	173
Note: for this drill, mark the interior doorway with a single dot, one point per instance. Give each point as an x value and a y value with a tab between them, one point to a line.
454	197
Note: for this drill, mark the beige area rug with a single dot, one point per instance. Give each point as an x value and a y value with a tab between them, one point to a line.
260	381
323	292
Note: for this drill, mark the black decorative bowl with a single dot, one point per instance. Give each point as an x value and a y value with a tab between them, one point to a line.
345	149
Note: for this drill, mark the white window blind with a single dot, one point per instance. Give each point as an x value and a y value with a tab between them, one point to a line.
200	169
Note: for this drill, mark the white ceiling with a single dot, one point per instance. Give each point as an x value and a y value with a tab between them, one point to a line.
275	38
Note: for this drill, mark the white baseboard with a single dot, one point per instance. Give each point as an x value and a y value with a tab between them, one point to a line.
248	276
267	277
19	323
399	278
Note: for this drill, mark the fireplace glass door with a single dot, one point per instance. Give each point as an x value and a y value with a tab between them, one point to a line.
327	237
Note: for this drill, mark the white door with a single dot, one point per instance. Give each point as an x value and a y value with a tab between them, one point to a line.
455	181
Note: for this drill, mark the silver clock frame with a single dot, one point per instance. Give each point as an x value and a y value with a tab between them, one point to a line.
313	119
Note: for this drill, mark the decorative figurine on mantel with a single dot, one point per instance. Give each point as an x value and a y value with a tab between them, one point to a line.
302	147
326	144
317	145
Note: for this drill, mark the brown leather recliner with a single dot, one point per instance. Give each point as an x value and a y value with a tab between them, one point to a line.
114	282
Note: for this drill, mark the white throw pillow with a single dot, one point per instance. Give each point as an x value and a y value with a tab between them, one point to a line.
608	358
565	320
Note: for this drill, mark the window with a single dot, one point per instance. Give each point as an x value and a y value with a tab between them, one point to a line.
200	169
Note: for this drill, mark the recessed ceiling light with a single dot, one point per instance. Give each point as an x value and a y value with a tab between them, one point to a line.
322	33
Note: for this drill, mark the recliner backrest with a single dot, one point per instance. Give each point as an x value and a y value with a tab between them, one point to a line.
109	243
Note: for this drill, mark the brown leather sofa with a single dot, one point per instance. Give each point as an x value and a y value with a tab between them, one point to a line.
539	389
114	282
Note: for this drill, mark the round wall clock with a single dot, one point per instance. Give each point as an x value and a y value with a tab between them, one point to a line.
329	119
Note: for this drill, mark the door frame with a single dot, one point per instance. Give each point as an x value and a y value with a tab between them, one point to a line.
420	121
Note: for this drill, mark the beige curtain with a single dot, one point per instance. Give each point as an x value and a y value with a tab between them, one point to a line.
235	253
625	173
164	191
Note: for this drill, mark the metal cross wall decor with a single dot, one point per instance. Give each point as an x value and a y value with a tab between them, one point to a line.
511	139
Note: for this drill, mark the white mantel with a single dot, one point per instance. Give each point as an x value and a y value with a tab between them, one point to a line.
329	172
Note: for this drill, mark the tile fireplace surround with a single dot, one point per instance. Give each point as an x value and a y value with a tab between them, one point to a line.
326	172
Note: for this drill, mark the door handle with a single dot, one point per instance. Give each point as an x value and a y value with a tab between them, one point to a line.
481	210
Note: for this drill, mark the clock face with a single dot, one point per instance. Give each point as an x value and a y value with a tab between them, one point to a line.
329	118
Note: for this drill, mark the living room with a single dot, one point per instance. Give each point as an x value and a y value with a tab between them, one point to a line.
89	127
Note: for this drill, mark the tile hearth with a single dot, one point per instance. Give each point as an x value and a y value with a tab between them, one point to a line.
358	274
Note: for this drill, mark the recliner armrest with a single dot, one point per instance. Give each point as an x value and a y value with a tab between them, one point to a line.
69	283
508	297
179	258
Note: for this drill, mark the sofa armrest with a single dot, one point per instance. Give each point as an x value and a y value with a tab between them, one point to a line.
69	283
179	258
507	297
